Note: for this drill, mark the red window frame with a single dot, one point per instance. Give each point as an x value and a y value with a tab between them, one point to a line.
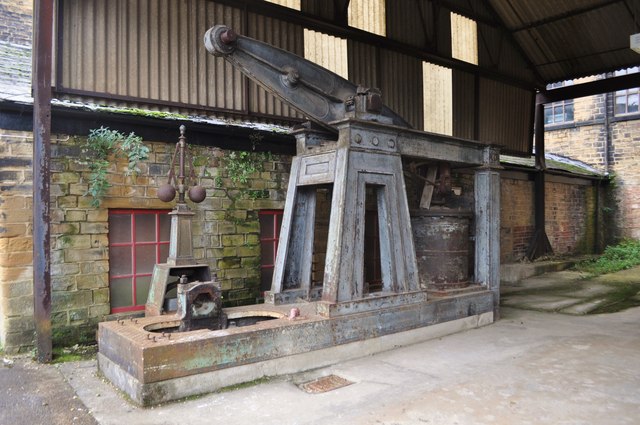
272	239
133	243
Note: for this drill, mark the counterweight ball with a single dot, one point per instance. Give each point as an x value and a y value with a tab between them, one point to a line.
197	194
166	193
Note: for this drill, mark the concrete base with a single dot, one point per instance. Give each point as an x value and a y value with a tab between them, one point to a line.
152	368
516	272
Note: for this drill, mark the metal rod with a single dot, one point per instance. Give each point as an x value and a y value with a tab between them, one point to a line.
43	48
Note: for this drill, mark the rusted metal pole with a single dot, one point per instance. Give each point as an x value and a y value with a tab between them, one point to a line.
42	48
540	244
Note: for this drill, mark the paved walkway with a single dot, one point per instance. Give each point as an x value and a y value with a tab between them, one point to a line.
570	292
531	367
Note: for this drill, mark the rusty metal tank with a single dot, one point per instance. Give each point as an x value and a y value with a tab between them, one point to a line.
441	238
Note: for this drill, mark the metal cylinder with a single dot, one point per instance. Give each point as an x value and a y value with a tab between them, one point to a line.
441	239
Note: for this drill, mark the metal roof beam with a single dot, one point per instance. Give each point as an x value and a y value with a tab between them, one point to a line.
588	89
565	15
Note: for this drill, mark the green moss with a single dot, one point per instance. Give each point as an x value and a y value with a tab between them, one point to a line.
242	385
143	113
621	297
67	336
74	354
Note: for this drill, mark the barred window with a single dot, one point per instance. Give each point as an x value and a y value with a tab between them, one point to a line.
138	240
270	223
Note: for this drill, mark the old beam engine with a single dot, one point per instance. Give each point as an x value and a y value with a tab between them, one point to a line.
349	162
355	149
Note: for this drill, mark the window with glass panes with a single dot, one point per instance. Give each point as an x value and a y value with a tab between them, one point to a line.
627	100
559	112
138	239
270	223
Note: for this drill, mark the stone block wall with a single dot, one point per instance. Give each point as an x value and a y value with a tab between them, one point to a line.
586	140
226	231
583	143
625	166
16	248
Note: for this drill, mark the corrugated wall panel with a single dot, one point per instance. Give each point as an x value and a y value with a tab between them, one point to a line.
320	8
363	64
401	85
437	99
285	36
149	49
496	52
327	51
463	104
505	114
292	4
411	24
367	15
464	39
224	86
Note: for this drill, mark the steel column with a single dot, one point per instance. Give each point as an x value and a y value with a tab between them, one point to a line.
43	47
540	243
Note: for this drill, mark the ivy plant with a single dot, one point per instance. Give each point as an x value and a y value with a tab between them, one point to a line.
100	148
240	165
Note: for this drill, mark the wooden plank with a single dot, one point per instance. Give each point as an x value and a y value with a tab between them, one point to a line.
440	148
429	186
286	230
297	267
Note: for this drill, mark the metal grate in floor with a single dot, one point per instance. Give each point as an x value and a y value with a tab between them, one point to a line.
324	384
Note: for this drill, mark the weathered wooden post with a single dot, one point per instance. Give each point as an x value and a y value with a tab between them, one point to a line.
487	216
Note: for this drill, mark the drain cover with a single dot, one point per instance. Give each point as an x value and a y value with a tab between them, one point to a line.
324	384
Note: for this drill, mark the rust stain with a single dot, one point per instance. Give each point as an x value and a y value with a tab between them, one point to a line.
324	384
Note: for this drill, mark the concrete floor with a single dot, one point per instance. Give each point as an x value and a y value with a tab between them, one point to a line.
530	367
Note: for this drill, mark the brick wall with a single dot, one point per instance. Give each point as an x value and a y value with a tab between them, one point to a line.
570	212
516	218
226	232
16	22
570	216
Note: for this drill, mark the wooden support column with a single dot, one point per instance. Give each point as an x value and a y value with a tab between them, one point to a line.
43	52
487	217
299	262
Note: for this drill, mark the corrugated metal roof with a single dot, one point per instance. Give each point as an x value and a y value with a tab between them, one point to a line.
565	39
15	71
554	162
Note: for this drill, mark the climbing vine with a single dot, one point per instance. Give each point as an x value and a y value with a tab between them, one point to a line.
241	165
102	145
